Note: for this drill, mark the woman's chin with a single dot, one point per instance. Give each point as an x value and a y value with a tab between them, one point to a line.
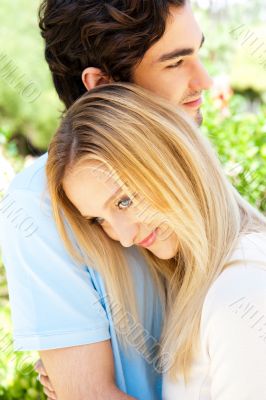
163	254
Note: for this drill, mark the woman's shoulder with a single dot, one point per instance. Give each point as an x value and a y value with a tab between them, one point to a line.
250	249
233	325
244	282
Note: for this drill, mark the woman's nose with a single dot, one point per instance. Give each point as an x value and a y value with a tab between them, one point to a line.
126	232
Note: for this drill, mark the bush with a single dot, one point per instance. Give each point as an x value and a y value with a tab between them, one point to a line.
17	376
28	103
240	139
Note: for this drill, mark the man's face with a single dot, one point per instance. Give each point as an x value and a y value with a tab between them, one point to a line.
171	68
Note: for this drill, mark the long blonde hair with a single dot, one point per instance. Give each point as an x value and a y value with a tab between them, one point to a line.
161	155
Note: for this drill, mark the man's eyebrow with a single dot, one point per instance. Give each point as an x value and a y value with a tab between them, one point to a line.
179	52
114	195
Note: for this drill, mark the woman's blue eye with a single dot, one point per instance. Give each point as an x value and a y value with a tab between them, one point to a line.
121	204
124	203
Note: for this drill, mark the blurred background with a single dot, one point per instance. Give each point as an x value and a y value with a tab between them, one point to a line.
234	120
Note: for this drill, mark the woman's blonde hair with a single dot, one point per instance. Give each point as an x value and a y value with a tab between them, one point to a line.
158	153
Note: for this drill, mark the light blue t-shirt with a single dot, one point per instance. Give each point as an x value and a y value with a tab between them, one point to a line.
56	303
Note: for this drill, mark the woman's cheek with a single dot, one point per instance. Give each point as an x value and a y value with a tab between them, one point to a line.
109	231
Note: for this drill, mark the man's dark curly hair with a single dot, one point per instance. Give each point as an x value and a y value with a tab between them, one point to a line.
112	35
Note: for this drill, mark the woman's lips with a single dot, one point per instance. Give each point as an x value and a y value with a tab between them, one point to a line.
149	240
194	104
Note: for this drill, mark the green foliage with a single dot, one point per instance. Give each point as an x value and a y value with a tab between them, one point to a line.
236	46
248	69
240	140
17	376
28	103
3	285
10	150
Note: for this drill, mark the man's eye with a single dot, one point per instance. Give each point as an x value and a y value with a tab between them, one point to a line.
180	62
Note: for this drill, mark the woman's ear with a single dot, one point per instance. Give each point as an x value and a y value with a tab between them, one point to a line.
93	77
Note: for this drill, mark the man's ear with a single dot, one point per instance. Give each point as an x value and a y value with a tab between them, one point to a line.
92	77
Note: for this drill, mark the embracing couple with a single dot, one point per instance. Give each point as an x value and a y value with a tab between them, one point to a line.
146	259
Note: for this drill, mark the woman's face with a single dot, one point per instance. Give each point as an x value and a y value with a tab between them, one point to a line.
99	197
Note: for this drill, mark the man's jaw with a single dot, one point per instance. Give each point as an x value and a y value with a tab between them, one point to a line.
199	117
192	104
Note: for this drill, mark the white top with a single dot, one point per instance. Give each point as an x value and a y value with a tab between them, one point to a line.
231	363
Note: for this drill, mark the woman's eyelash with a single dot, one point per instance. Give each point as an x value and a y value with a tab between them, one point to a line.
124	200
99	221
95	221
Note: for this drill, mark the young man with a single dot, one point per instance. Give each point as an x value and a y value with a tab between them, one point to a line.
58	308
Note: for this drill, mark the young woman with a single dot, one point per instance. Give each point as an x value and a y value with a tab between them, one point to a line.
127	169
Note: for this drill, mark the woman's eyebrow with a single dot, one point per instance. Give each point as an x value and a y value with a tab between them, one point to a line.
179	52
114	195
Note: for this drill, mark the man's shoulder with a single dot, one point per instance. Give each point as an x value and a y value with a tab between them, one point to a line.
31	179
26	206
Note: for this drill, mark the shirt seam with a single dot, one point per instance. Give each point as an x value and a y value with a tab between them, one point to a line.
56	333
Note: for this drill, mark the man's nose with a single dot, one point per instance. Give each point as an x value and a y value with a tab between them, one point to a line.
201	79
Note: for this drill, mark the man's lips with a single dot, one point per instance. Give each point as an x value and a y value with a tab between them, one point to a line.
194	103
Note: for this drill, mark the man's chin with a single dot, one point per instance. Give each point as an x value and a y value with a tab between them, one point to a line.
198	117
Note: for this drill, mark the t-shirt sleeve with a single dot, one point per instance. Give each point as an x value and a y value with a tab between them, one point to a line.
234	334
53	301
